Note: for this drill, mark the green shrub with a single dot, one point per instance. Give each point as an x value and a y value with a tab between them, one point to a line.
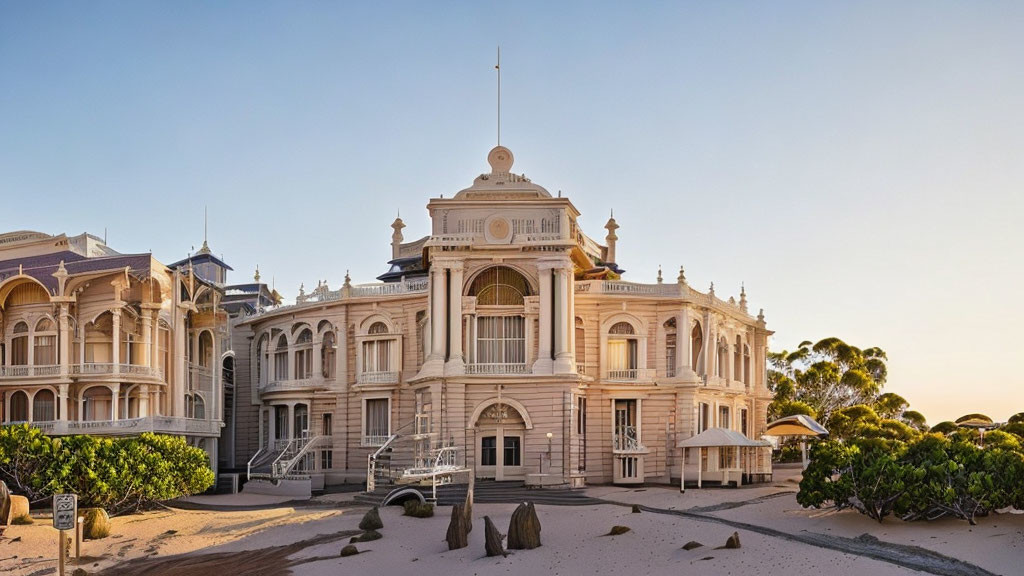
117	474
927	478
22	520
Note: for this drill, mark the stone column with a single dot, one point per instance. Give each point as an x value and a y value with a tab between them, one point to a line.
563	355
272	435
65	342
115	336
147	335
291	421
143	401
342	355
154	343
115	406
318	360
177	385
62	403
544	364
437	314
456	359
683	344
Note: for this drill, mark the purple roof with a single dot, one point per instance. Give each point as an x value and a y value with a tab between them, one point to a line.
42	267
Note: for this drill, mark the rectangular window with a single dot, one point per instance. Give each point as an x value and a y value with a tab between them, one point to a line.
46	351
377	356
19	351
670	355
511	447
703	417
326	459
377	426
743	421
281	366
627	433
581	416
501	340
327	428
622	359
723	417
489	451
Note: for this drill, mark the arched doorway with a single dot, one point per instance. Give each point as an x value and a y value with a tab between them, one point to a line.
500	441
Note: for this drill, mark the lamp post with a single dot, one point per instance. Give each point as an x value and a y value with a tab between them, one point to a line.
549	436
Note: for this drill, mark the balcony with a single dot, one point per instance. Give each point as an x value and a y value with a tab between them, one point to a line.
377	378
626	440
108	369
498	368
9	372
130	426
299	384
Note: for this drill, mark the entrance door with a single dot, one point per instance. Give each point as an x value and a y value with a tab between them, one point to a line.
501	454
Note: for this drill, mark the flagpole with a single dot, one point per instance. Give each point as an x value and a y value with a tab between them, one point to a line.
498	68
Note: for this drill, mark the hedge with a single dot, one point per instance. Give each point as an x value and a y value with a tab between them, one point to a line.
117	474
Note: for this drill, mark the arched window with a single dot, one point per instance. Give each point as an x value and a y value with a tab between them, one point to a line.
19	407
499	286
19	348
281	359
723	358
378	328
623	355
670	347
378	364
328	351
97	404
737	359
205	348
43	406
696	347
499	337
45	353
581	346
198	407
746	365
304	355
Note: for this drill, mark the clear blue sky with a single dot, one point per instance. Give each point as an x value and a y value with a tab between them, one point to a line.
858	165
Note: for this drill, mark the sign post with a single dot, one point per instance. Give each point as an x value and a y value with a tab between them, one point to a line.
65	517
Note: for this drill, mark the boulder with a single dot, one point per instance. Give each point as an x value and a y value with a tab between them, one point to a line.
617	530
349	550
418	509
96	524
18	508
524	528
79	572
367	536
468	506
457	535
733	542
371	520
5	503
691	545
492	539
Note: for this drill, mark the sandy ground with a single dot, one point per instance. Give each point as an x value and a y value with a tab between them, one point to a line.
777	536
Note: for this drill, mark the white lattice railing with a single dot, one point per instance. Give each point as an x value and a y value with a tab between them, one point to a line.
164	424
302	384
29	371
626	440
106	368
498	368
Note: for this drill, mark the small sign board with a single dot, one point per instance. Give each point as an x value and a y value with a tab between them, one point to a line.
65	511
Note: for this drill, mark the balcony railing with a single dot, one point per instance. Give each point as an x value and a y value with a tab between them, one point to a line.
29	371
107	368
374	440
377	378
498	368
297	384
630	374
162	424
625	440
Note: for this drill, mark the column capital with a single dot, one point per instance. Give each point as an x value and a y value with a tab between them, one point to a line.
554	263
447	263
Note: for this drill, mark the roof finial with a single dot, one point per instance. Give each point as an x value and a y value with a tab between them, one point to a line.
659	274
682	276
711	291
610	239
256	276
743	296
498	68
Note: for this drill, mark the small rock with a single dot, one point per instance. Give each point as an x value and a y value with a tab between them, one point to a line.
492	539
349	550
79	572
96	524
617	530
367	536
18	508
371	520
708	558
636	508
524	528
733	542
691	545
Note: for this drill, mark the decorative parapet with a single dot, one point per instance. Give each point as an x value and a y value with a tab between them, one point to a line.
678	290
322	295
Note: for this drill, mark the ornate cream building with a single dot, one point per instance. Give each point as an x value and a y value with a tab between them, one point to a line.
98	342
505	344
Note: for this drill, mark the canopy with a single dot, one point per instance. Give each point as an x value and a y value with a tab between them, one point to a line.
718	437
975	421
796	425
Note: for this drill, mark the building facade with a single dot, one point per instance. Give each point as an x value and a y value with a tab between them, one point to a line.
504	343
93	341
